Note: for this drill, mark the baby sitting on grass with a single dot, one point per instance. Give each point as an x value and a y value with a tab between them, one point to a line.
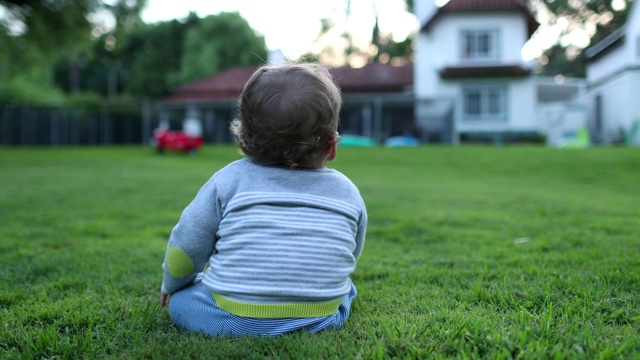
269	242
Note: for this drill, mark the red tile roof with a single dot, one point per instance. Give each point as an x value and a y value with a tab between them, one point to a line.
476	6
373	78
224	85
228	84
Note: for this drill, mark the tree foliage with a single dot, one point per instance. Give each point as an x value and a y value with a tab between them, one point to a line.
595	19
52	47
560	60
386	49
159	47
54	27
41	36
139	67
217	43
34	35
381	48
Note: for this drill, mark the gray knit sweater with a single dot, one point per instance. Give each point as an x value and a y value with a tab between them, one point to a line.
275	242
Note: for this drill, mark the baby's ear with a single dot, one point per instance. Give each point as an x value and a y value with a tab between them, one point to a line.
331	148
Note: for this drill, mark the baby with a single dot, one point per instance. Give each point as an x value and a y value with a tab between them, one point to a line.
269	242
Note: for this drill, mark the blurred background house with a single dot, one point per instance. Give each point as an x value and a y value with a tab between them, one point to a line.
613	75
469	53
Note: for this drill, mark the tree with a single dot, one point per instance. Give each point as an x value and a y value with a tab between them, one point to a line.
37	34
138	67
42	34
23	77
568	61
158	47
127	16
216	43
54	27
385	49
137	60
381	48
589	20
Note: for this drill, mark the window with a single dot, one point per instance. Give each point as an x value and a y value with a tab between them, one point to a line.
484	103
638	46
480	44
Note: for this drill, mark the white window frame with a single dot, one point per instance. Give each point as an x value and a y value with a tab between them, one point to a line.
489	103
479	44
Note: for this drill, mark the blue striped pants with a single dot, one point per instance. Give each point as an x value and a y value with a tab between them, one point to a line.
194	309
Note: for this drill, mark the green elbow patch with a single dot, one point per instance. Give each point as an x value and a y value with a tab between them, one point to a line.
178	262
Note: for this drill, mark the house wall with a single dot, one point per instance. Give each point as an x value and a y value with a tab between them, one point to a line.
441	46
609	64
424	9
425	74
633	29
627	55
619	107
613	80
520	112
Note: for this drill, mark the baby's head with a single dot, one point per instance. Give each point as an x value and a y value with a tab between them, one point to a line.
289	116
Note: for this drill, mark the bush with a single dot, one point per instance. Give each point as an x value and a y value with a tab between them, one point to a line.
20	91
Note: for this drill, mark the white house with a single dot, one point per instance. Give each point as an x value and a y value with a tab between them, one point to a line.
613	76
468	54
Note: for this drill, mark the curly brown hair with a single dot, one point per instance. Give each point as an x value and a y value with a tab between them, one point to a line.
288	115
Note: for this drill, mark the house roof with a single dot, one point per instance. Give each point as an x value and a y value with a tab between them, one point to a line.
228	84
373	78
607	44
484	71
224	85
618	37
483	6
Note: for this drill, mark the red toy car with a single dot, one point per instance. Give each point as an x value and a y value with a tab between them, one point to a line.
188	141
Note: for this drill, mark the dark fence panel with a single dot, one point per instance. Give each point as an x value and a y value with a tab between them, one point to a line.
383	116
215	118
105	125
375	116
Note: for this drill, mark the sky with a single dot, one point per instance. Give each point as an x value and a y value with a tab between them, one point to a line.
292	25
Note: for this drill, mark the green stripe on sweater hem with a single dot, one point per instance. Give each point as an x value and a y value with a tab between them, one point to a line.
277	311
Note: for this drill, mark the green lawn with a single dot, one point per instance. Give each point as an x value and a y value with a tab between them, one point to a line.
472	252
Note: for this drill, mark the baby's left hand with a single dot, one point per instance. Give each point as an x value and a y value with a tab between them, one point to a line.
163	300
